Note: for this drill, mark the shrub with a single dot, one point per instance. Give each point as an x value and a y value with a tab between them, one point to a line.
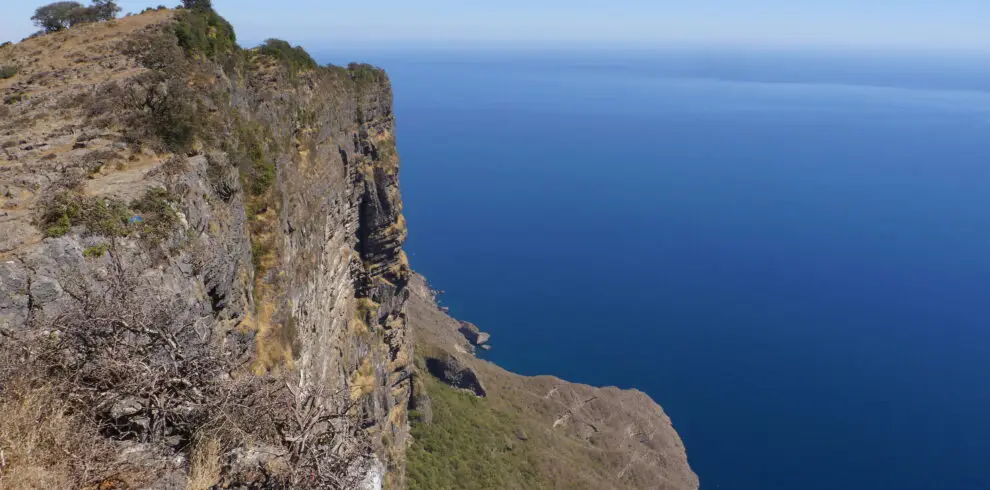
203	31
132	362
8	71
175	116
58	215
100	216
160	107
158	217
197	4
105	9
295	58
59	226
96	251
257	169
101	10
110	217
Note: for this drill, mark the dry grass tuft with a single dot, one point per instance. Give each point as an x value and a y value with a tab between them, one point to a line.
44	442
205	468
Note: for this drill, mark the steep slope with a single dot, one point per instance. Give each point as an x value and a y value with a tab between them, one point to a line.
202	283
242	211
539	432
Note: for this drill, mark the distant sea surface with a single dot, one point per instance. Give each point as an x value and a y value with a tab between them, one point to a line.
789	251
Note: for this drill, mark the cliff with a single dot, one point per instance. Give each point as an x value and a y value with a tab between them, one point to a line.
202	280
242	213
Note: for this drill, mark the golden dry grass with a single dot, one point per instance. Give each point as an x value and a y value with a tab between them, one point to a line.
44	443
362	381
72	48
205	468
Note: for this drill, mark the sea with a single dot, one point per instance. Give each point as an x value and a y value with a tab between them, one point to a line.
788	250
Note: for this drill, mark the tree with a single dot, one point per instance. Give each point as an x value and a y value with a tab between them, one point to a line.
104	9
198	4
55	16
62	15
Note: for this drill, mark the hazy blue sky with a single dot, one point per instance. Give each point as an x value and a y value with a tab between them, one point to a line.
930	24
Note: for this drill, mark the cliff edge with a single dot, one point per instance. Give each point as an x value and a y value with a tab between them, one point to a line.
202	285
200	263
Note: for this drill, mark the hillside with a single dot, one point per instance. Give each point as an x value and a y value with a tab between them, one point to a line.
202	285
531	432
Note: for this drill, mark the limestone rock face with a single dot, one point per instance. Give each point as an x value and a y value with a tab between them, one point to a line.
254	206
302	272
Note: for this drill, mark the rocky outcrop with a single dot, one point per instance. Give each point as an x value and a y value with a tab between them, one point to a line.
449	369
278	224
474	335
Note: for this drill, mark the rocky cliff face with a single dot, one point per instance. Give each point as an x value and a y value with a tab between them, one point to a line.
259	196
202	283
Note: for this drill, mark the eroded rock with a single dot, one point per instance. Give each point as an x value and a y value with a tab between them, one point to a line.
450	370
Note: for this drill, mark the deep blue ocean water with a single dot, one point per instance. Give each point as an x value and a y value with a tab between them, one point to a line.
790	252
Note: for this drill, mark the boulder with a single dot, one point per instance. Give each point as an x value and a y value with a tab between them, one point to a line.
473	334
456	373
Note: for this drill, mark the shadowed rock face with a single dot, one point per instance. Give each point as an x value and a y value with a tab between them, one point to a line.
455	373
474	335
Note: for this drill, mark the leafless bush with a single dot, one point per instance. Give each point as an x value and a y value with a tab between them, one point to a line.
147	365
327	450
129	363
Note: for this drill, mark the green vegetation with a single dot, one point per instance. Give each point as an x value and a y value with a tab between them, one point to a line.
170	111
365	74
197	4
8	71
54	16
174	116
110	217
295	58
96	251
158	217
257	170
385	149
13	99
99	216
153	9
204	32
63	15
359	73
259	251
469	445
